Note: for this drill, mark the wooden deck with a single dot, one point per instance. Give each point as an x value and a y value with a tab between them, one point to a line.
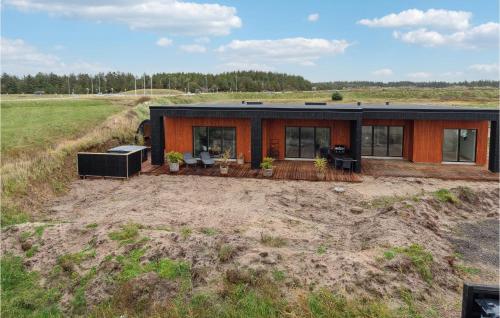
283	170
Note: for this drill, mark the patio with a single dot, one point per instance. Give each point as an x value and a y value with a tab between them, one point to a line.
304	170
283	170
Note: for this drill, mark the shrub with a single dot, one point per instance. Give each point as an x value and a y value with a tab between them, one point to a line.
224	159
444	195
320	164
267	163
174	157
337	96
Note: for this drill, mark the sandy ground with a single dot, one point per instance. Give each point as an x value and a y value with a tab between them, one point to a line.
310	216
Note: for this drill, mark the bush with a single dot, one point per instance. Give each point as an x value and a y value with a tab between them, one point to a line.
337	96
320	164
267	163
174	157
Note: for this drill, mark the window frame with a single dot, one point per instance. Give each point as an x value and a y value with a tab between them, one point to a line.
300	141
388	130
207	129
458	146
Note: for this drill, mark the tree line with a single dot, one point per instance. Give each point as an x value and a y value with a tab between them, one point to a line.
241	81
338	85
117	82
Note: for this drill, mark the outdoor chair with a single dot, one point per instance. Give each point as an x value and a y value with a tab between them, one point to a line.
189	160
324	152
206	159
347	164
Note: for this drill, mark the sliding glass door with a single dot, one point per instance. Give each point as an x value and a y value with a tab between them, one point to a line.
305	142
382	141
215	140
459	145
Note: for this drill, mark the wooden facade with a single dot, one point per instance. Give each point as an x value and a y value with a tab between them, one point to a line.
179	133
428	139
422	139
258	127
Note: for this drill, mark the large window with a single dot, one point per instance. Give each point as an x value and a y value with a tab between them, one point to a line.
306	142
215	140
382	141
459	145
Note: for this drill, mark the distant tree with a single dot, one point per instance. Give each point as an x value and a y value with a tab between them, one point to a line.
337	96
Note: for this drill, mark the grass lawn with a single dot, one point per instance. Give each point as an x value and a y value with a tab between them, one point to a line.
35	125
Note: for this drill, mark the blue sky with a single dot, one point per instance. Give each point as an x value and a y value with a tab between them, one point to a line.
322	40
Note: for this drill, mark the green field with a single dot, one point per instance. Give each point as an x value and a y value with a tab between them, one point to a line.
29	126
456	96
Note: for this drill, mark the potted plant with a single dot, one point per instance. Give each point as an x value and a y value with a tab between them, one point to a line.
224	162
320	165
267	167
174	158
241	159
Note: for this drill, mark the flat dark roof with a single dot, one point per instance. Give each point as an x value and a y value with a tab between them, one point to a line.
329	107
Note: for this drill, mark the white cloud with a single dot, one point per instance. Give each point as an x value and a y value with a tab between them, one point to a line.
458	20
484	35
383	72
164	42
202	40
299	51
173	16
485	68
193	48
20	58
419	75
313	17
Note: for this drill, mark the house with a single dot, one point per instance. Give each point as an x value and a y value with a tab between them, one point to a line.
430	134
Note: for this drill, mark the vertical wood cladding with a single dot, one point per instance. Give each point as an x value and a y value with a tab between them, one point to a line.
422	141
428	139
273	130
179	133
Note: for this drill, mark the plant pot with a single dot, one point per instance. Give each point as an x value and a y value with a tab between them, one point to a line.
320	175
240	161
267	172
224	170
174	166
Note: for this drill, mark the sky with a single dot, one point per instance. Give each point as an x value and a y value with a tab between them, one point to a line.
376	40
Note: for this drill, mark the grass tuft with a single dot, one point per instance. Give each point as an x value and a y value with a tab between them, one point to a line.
273	241
68	262
226	252
445	196
127	234
186	232
165	267
209	231
421	259
321	249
